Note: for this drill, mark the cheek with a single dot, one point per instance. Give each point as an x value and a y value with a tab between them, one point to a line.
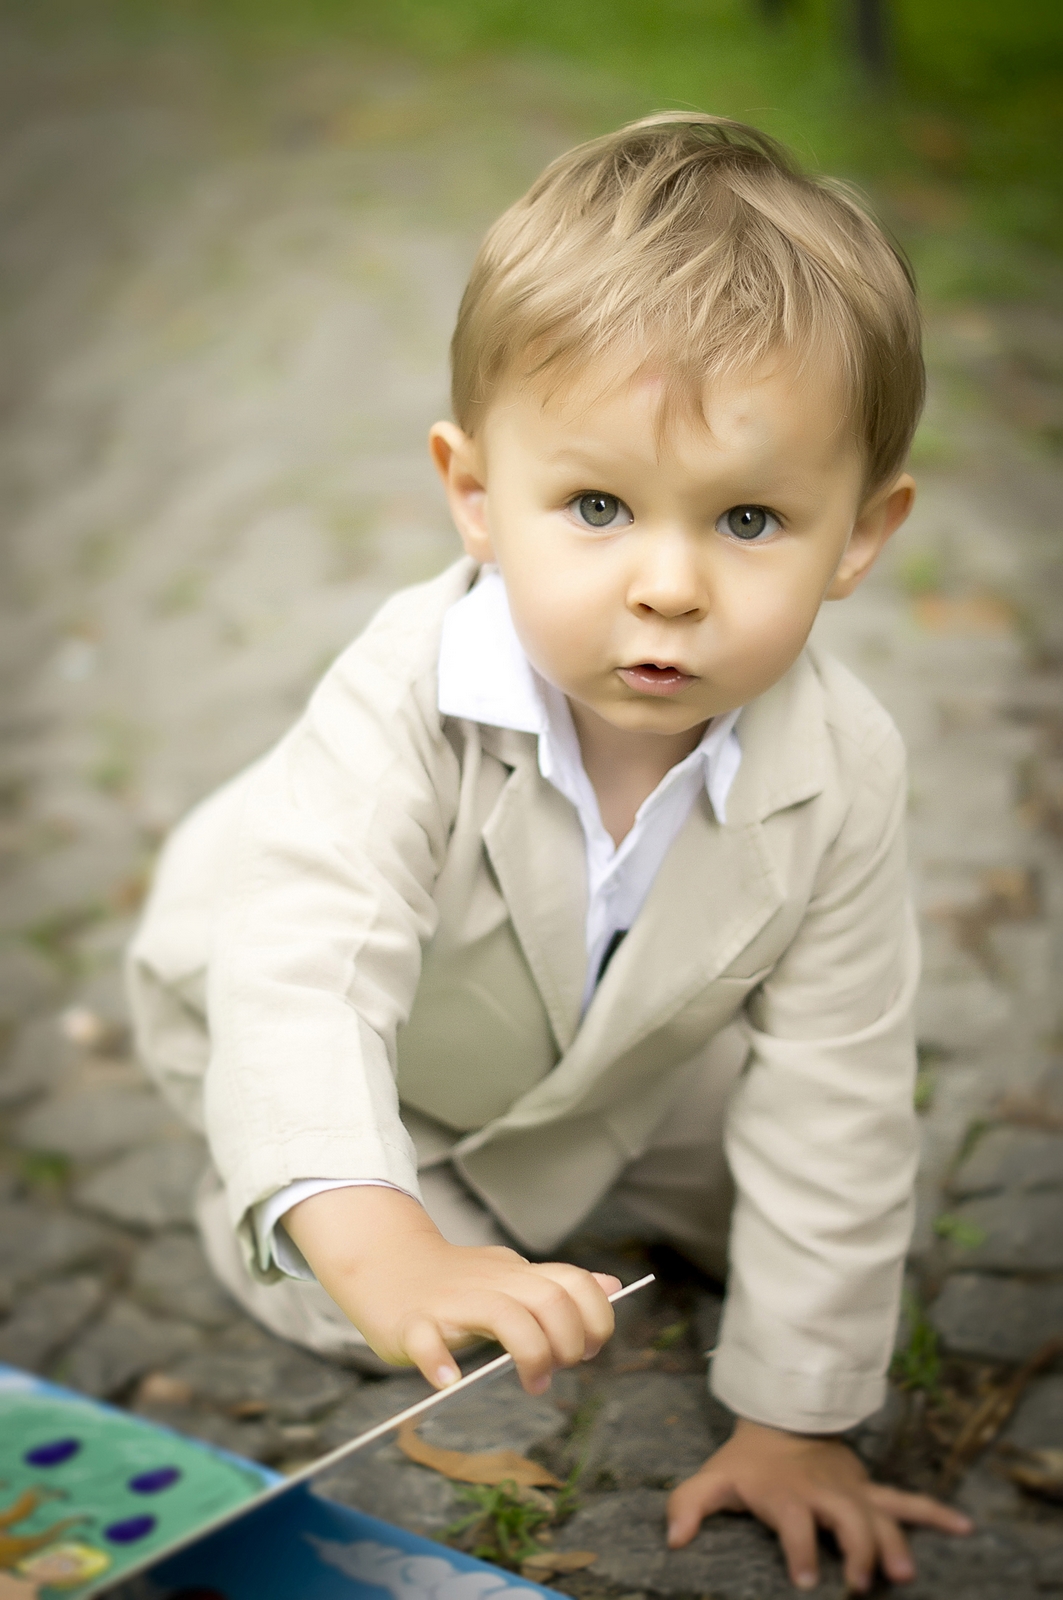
772	612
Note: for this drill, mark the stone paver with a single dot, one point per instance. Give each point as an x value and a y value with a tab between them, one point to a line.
37	1059
150	1188
95	1123
1020	1232
36	1243
44	1319
734	1558
225	317
653	1429
1010	1158
246	1364
996	1317
1037	1423
125	1343
170	1275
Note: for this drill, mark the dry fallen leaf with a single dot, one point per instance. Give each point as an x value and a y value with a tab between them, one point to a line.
247	1410
159	1389
1039	1471
1030	1111
964	614
548	1563
490	1467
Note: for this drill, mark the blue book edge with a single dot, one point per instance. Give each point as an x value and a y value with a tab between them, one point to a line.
113	1493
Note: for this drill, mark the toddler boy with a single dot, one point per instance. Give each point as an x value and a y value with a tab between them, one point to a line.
582	875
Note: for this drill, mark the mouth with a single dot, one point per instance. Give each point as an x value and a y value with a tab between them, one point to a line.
654	677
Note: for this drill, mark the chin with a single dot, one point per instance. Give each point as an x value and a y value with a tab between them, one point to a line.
655	717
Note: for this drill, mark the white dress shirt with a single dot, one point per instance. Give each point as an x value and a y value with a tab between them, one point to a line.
485	676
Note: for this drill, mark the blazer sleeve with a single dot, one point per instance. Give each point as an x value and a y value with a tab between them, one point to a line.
325	903
822	1136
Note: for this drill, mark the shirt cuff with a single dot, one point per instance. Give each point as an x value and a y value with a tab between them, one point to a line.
273	1245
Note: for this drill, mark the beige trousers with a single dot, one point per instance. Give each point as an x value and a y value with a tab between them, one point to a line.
677	1192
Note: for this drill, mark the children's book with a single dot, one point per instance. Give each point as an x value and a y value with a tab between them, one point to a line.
95	1501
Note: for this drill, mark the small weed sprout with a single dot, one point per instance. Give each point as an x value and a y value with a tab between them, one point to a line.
917	1364
964	1235
669	1337
503	1521
925	1084
506	1519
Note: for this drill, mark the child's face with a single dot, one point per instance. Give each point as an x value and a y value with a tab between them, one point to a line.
659	578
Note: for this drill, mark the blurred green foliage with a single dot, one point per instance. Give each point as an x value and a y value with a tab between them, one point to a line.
917	1360
958	141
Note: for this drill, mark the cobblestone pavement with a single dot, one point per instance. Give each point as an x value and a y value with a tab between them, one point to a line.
225	310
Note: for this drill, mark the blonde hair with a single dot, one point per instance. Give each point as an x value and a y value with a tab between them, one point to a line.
693	245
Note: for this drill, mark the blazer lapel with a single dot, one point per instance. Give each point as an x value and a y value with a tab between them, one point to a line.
719	884
535	845
716	889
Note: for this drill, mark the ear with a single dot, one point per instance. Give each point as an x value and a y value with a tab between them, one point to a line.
459	461
879	517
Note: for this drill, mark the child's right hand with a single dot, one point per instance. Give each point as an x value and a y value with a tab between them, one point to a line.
414	1297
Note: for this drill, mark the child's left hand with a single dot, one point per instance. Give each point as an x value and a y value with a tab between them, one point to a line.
794	1483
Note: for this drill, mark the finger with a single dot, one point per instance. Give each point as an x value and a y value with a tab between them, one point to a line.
607	1283
425	1346
696	1498
852	1526
921	1509
893	1551
796	1528
513	1325
558	1315
590	1299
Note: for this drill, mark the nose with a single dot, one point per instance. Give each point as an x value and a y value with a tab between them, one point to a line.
668	580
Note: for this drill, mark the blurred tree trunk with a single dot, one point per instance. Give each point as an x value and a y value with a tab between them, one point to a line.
871	34
867	22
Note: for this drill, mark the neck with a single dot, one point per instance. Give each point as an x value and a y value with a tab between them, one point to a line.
625	767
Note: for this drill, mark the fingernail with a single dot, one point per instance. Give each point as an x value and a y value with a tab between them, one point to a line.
591	1351
446	1375
673	1533
806	1580
903	1571
540	1385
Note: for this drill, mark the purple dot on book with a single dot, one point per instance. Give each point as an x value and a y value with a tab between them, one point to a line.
155	1481
129	1531
52	1454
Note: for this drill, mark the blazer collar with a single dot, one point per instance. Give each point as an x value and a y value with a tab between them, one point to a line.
786	754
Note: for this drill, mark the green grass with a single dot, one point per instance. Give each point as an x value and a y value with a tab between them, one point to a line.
502	1524
44	1169
959	143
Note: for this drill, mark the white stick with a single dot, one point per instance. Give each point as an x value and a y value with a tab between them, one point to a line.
490	1369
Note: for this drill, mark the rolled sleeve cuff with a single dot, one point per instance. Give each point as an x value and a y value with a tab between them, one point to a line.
799	1402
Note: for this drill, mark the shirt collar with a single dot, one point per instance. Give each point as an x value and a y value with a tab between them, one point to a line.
484	676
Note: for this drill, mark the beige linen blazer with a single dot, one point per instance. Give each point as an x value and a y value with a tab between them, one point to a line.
390	906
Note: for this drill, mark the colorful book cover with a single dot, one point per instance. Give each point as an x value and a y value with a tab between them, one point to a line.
94	1500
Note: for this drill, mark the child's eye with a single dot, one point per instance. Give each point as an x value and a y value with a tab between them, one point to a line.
598	510
748	523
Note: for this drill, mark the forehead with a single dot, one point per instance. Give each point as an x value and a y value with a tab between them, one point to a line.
779	405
